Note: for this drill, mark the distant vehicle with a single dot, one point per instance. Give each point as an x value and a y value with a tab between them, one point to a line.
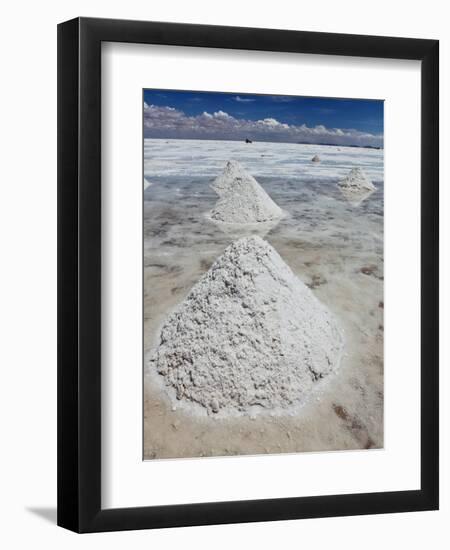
248	140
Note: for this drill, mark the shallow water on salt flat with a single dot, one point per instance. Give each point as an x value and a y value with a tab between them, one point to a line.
334	246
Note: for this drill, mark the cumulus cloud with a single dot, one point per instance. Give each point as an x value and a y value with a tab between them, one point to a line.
168	122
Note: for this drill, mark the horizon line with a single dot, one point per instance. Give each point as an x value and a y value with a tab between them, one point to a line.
268	141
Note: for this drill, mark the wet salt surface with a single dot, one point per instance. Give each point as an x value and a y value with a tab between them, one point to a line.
333	246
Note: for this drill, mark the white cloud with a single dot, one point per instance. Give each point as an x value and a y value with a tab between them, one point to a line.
243	99
221	114
273	123
269	122
168	122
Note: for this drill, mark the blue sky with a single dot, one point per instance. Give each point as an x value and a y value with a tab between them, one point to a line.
212	115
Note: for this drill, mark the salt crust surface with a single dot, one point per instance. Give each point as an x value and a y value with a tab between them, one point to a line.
356	181
241	199
249	336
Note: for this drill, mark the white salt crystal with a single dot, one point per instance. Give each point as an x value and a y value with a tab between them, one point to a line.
241	199
249	334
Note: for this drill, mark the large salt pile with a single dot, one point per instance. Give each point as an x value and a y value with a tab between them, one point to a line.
357	181
249	334
242	200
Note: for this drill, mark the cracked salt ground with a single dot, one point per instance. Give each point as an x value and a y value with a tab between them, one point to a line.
249	336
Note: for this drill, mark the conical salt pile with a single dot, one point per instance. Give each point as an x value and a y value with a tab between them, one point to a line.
356	181
315	158
242	200
249	335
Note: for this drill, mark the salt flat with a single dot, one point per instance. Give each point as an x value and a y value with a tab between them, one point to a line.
332	245
172	157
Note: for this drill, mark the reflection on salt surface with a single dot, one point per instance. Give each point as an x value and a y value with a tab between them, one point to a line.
176	205
236	231
355	198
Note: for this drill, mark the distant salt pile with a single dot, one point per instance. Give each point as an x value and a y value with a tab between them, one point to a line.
146	184
250	334
242	200
356	181
315	158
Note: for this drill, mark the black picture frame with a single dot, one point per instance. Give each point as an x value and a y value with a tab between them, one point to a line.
79	274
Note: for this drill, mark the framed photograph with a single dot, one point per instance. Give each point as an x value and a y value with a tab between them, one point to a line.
247	275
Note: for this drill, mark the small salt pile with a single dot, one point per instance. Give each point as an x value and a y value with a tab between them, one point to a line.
249	335
315	158
146	184
242	200
357	181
